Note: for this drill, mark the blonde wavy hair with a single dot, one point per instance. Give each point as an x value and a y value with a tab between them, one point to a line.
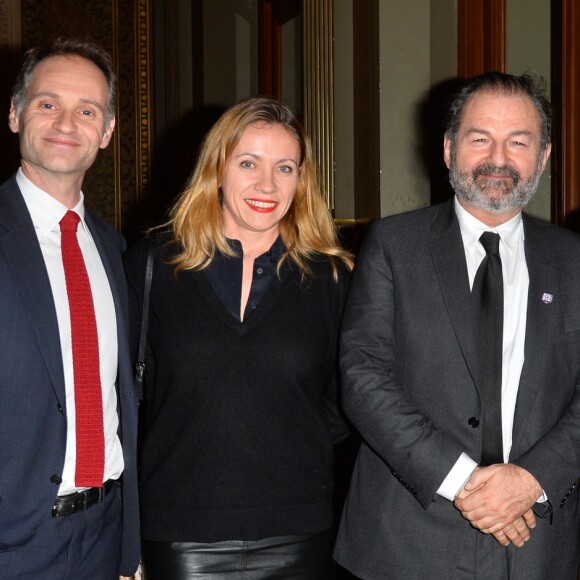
196	219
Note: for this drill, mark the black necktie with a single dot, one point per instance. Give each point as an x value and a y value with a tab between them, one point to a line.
487	298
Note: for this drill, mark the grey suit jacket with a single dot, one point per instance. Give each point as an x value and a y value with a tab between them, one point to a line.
410	387
32	391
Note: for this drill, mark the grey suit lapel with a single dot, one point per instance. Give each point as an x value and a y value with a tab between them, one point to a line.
448	257
542	316
19	243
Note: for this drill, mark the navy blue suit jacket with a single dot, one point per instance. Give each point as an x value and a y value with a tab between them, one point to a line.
32	391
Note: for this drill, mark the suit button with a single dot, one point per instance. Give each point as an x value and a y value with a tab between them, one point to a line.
60	409
473	422
56	479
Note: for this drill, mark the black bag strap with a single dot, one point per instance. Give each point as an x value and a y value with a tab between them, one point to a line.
140	365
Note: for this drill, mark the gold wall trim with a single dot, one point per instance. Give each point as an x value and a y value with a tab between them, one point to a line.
318	32
118	198
143	97
343	223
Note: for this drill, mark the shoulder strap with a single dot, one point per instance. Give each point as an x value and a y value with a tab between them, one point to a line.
140	365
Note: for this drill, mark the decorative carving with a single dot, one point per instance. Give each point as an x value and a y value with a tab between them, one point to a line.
143	97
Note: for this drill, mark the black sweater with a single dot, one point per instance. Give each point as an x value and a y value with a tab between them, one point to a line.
240	417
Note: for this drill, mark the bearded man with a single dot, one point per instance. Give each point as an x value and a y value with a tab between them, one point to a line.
460	356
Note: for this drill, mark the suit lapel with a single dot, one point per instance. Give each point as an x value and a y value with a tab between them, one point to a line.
19	243
110	256
110	253
448	257
542	316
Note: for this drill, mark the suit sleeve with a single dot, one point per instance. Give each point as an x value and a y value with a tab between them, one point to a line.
548	445
555	459
419	454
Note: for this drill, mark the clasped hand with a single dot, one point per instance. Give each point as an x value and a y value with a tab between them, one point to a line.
497	500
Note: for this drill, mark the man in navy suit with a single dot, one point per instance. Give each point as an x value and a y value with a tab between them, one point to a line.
426	500
51	524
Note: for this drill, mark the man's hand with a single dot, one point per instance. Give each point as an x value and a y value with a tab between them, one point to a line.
498	495
517	533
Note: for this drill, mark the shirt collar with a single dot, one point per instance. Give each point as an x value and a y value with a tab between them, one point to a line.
511	232
46	211
275	252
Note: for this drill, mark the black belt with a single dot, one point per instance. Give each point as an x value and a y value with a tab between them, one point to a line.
65	505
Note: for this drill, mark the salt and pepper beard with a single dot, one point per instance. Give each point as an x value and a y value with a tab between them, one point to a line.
494	195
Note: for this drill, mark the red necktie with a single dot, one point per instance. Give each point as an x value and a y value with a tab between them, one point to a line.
90	440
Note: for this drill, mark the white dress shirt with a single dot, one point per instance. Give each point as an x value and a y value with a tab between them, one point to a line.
515	290
46	213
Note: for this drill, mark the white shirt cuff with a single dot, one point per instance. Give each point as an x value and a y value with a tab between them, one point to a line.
457	477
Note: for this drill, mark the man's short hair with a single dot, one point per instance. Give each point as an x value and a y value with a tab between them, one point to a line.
84	48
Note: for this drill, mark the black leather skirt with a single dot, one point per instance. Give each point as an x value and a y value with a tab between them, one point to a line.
297	557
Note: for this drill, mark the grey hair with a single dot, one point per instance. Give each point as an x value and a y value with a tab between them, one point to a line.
530	84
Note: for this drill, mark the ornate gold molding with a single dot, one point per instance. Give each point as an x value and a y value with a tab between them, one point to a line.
318	65
131	55
141	117
143	96
118	198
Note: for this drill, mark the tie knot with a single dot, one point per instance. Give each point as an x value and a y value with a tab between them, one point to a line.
490	243
69	222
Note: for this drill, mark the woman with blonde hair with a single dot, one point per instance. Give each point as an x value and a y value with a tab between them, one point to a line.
241	415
